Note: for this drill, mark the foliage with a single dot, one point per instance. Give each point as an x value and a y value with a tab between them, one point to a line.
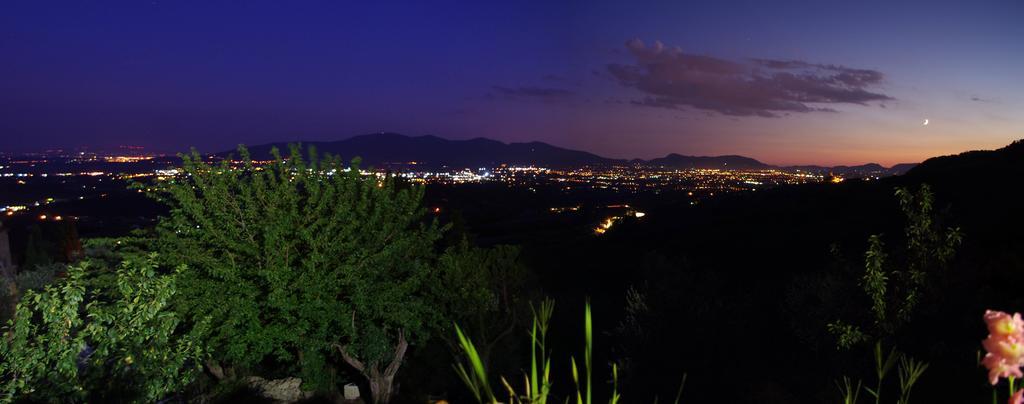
929	246
909	372
34	279
586	395
883	365
476	379
847	335
105	256
484	290
540	356
636	308
679	391
109	252
39	355
849	391
894	294
38	278
299	257
133	348
876	280
537	384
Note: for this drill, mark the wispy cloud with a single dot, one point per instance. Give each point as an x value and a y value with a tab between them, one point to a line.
670	78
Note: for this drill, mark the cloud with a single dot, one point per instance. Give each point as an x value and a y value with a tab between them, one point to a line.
532	92
670	78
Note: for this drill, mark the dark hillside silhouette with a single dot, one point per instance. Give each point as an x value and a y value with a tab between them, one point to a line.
391	149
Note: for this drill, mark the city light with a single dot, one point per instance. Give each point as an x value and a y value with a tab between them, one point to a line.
606	224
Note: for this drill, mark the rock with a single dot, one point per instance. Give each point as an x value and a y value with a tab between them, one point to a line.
287	390
351	392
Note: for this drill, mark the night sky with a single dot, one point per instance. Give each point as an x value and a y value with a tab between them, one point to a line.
814	82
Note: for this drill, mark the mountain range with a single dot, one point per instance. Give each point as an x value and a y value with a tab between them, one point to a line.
392	149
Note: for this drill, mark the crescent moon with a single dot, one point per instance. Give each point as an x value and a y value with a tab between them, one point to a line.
925	123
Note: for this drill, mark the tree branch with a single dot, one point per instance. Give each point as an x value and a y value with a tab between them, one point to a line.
343	350
392	368
505	333
352	361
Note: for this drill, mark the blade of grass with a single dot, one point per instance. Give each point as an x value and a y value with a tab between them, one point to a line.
682	384
588	330
477	365
576	379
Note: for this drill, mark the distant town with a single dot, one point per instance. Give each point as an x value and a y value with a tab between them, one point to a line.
45	186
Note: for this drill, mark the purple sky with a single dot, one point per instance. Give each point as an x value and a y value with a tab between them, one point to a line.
822	82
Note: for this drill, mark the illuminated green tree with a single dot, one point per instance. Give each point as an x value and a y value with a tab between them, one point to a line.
300	260
64	344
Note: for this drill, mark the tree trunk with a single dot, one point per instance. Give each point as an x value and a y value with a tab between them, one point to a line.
380	387
218	371
381	382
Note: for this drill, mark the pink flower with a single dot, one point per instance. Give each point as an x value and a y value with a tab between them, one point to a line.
1017	398
1003	325
998	367
1009	348
1005	345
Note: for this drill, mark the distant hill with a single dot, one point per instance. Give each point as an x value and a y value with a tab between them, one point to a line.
731	162
390	149
863	170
